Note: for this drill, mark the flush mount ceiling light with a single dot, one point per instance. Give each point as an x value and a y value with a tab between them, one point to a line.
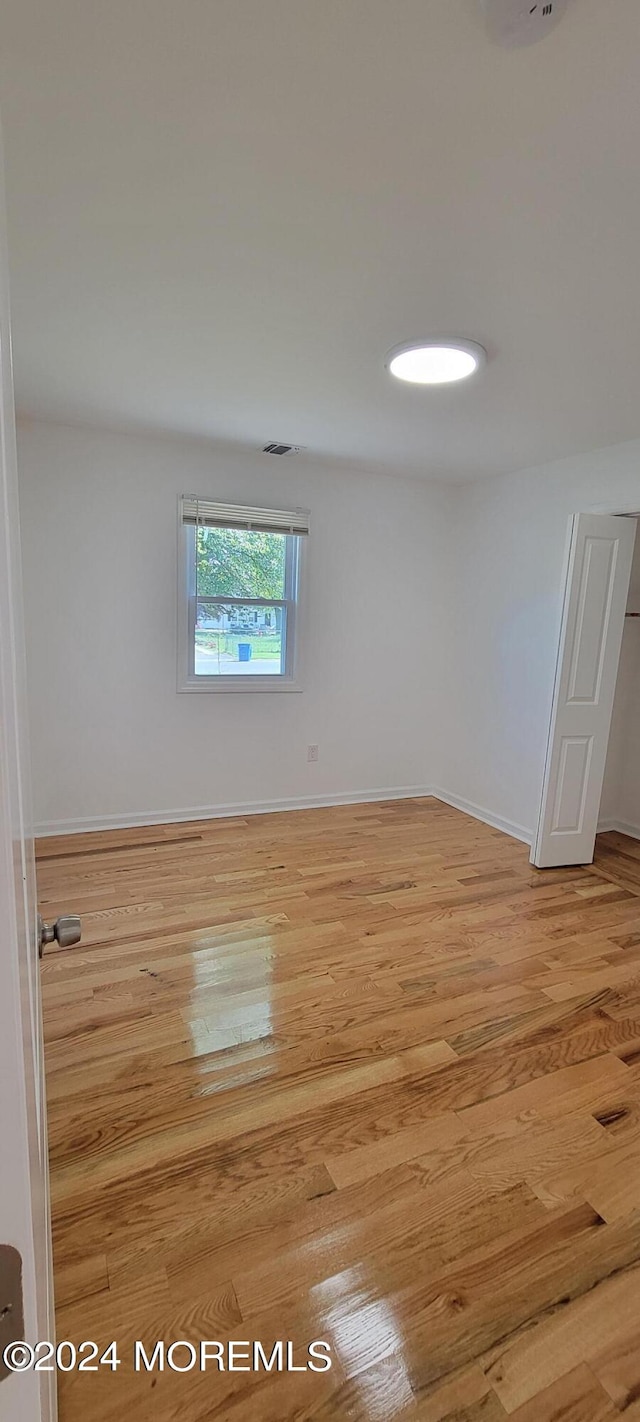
437	362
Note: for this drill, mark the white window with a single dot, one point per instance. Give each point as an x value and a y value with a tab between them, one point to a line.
239	595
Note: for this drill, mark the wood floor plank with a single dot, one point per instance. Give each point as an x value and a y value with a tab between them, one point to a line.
576	1397
595	1330
360	1074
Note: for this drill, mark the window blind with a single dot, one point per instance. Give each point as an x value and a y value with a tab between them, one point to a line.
210	515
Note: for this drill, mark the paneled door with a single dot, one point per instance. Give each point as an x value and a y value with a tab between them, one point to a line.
600	556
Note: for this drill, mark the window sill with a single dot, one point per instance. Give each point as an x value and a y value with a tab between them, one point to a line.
232	685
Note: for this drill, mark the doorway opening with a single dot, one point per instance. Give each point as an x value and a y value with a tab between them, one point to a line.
620	801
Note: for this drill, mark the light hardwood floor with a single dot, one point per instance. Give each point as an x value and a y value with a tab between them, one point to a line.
356	1074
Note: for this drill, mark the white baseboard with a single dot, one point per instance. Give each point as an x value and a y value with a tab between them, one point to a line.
48	828
622	827
86	825
478	813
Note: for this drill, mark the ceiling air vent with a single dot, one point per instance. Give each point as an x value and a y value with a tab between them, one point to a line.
518	22
282	448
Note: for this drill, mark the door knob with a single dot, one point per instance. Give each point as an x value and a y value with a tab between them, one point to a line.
66	931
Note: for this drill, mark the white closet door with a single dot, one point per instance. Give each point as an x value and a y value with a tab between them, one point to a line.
592	624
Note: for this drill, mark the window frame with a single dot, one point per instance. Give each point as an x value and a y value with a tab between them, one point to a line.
289	678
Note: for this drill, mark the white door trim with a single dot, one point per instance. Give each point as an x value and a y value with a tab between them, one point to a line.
24	1203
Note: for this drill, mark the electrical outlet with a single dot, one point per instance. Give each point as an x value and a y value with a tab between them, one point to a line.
312	752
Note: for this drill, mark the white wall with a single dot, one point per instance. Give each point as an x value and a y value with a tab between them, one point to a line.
112	739
433	620
620	806
509	538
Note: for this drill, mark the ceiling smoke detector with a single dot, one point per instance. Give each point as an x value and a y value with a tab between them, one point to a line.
518	22
276	448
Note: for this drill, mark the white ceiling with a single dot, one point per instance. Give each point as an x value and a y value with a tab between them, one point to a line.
222	213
